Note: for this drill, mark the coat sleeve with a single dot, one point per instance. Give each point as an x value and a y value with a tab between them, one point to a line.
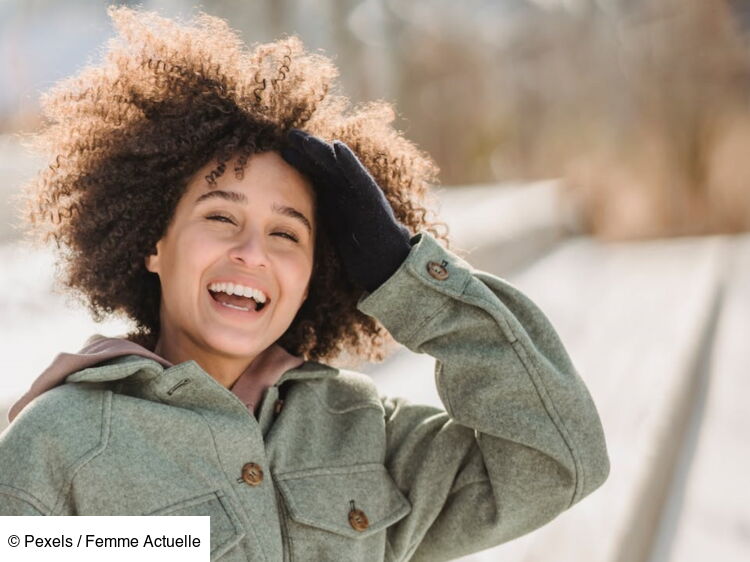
520	439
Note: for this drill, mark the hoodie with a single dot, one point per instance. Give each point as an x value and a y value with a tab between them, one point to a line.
269	365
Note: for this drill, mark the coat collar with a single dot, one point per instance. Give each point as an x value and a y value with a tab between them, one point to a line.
117	359
184	385
149	369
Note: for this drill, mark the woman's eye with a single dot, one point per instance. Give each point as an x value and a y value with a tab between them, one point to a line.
225	219
219	218
288	235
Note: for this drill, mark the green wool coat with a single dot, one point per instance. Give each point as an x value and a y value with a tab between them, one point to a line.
339	472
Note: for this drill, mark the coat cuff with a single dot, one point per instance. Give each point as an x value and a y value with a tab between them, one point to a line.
429	276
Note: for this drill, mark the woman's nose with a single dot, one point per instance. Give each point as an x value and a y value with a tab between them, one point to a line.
250	250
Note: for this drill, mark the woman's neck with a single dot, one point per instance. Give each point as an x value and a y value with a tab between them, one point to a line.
224	369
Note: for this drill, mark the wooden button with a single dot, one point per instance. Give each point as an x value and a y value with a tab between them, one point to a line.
252	474
437	270
358	520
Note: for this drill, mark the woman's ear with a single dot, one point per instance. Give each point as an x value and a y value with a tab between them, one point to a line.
152	260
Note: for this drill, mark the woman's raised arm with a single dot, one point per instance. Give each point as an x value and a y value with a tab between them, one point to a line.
520	440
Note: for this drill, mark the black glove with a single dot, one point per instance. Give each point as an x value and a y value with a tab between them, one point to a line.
369	240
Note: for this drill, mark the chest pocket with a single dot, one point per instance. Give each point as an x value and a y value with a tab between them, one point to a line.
340	513
226	529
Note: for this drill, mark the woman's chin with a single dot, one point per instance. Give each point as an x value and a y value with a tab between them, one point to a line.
236	345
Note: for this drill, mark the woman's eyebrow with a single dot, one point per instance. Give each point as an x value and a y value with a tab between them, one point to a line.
237	197
293	213
233	196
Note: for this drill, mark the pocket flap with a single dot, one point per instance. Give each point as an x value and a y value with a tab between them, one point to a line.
323	497
226	529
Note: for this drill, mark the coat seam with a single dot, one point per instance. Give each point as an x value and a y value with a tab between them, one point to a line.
318	471
446	294
105	417
116	371
538	381
5	489
439	378
534	376
368	403
531	370
448	402
550	404
410	335
467	484
408	338
389	554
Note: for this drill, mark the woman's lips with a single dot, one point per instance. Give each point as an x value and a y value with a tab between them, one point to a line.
237	312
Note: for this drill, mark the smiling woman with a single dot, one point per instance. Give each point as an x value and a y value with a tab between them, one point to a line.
244	288
243	235
173	105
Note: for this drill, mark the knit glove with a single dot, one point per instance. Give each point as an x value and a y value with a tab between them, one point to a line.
370	242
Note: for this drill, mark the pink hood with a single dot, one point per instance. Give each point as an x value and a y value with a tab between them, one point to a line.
269	366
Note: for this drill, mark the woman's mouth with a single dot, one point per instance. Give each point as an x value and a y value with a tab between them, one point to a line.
237	302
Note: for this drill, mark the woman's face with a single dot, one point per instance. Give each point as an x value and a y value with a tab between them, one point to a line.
258	233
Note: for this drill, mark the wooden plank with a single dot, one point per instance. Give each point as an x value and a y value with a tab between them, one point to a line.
708	516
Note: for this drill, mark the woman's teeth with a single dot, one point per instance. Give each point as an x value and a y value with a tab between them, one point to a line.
232	289
238	297
234	307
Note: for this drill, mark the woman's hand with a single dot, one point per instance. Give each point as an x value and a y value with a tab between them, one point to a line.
370	242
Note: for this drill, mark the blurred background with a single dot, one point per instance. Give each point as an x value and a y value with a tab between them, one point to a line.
593	152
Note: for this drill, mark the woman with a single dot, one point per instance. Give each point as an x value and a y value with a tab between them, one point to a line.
243	286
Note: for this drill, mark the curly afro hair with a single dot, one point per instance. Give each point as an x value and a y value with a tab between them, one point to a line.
124	138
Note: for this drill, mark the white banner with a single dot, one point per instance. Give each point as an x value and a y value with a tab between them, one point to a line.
114	539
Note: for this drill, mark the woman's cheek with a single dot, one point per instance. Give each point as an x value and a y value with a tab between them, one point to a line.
206	244
297	270
303	265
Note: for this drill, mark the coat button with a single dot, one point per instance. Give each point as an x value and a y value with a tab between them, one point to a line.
437	270
358	520
252	474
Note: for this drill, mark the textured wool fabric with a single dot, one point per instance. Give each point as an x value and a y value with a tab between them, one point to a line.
519	442
266	367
